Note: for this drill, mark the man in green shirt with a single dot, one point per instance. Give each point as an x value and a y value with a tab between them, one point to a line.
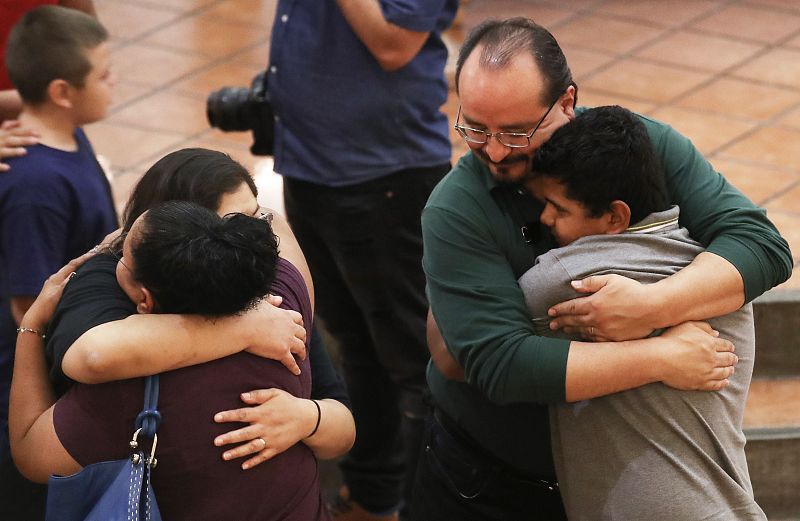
488	447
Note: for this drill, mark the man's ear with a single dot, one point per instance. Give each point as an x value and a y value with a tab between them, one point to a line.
567	102
146	303
619	214
59	92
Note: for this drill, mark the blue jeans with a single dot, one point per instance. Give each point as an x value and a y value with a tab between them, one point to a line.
363	244
457	480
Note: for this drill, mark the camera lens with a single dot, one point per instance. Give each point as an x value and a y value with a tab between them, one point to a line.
229	109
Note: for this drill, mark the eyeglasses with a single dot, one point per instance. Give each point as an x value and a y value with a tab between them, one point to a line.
115	249
509	139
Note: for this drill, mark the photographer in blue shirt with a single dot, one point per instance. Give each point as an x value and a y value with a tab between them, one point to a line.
356	87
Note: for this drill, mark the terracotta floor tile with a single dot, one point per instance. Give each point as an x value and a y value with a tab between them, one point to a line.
125	91
230	74
546	15
164	111
648	81
773	146
756	23
583	61
769	403
789	226
741	98
259	13
757	182
707	131
788	201
699	51
788	5
117	15
790	119
658	12
588	97
794	42
205	35
149	65
178	5
604	34
241	140
122	186
258	55
779	67
240	153
125	146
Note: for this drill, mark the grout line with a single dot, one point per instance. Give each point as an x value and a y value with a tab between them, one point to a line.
770	122
780	193
668	31
213	62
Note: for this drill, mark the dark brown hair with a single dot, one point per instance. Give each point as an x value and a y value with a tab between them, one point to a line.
50	43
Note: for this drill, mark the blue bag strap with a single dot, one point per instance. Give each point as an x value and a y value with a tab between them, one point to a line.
149	419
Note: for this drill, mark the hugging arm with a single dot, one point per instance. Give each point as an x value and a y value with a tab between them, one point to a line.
35	446
283	420
745	256
98	337
481	312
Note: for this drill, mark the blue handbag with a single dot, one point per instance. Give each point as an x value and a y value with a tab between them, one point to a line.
113	490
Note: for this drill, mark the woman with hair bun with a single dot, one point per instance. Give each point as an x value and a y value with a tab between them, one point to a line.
180	258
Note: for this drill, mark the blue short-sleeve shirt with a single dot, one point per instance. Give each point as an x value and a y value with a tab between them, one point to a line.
340	118
54	206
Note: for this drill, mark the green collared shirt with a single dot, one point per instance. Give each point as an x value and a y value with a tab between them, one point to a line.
475	251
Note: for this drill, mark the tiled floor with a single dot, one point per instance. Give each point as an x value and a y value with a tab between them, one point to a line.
724	72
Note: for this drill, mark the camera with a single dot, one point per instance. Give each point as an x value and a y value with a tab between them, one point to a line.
239	108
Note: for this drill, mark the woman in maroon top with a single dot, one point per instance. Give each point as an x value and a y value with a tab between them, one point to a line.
181	257
285	488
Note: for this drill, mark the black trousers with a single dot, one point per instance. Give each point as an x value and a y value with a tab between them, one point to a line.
363	244
457	480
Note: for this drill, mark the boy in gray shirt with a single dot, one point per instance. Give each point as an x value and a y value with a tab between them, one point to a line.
654	452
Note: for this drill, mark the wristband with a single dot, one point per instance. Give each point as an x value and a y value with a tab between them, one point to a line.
35	332
319	417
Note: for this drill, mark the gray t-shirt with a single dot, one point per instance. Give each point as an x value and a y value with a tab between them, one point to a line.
651	453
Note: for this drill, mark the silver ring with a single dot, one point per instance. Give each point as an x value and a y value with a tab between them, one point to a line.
591	330
263	442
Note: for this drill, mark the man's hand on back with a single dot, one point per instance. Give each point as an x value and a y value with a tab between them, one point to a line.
618	308
695	358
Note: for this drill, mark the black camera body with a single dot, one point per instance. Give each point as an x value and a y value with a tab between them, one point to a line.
239	109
